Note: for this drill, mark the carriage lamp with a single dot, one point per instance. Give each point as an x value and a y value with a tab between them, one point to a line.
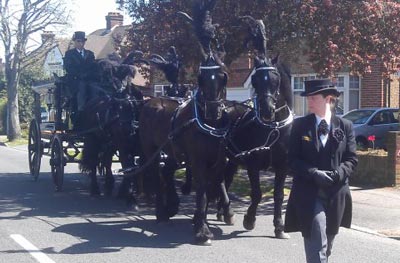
49	98
50	102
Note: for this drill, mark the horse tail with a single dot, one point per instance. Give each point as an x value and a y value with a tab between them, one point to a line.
90	154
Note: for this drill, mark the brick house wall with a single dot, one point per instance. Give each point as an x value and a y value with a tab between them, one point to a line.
377	91
239	71
373	87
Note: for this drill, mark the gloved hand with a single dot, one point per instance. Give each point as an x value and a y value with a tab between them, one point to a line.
322	179
335	176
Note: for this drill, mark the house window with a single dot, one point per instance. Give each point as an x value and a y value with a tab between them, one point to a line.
340	85
354	92
299	102
158	90
347	85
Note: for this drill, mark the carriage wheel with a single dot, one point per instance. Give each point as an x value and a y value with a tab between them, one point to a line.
57	162
35	149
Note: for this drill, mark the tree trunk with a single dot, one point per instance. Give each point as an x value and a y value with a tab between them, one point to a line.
13	125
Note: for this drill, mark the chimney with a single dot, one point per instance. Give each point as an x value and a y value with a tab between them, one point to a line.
47	36
114	19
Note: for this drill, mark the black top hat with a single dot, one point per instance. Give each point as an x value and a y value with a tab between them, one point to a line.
79	35
317	86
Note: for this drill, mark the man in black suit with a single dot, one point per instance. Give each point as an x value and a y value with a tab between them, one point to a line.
322	156
79	65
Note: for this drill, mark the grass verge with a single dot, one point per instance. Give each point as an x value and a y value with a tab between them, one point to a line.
241	185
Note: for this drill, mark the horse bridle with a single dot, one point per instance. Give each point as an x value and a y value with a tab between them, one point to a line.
274	97
275	126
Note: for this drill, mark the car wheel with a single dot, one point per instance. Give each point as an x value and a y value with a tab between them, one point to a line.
362	143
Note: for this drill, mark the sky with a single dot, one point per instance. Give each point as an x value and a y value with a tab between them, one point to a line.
89	15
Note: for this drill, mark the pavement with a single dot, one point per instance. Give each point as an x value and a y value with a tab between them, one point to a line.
375	210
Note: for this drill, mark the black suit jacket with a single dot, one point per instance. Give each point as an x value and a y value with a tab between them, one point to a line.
79	67
303	161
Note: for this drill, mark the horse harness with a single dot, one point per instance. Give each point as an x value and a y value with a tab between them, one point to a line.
253	115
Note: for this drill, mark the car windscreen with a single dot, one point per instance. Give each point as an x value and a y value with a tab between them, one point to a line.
358	117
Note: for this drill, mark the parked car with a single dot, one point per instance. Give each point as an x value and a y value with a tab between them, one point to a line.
371	125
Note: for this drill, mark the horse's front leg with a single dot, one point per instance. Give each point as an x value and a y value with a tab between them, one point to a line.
94	187
172	199
249	220
109	177
280	177
203	234
224	210
186	188
126	189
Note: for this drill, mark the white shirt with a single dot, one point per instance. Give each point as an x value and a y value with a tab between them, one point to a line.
82	52
327	118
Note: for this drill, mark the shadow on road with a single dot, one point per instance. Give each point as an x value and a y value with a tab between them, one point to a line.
108	225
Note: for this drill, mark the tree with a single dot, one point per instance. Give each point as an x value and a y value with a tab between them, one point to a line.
20	22
158	26
333	33
26	94
352	33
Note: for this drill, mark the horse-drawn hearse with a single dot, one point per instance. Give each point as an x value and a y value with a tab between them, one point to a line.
107	124
53	136
209	134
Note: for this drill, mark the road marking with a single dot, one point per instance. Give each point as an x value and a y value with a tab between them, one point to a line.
34	251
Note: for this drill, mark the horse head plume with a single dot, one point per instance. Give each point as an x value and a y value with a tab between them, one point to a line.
170	65
202	22
256	35
135	57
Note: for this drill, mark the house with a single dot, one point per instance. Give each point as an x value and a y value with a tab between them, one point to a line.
101	42
370	90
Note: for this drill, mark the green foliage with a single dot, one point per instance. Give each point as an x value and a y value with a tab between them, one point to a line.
26	94
3	115
2	84
241	185
3	103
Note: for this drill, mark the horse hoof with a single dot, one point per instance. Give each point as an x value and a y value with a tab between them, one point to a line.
161	217
132	204
220	217
249	223
229	220
203	242
173	207
281	235
95	193
172	212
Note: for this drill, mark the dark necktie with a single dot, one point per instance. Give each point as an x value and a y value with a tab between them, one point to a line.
323	128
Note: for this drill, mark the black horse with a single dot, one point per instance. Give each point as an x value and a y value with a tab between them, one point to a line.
110	125
196	136
170	65
259	136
